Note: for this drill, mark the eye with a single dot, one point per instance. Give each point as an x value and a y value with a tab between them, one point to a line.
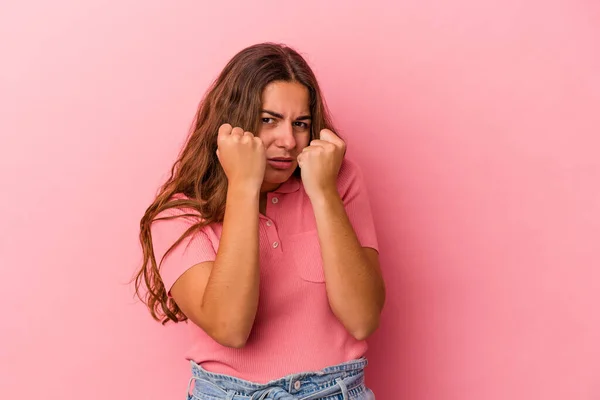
267	120
301	124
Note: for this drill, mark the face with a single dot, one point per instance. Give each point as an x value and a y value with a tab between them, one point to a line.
284	129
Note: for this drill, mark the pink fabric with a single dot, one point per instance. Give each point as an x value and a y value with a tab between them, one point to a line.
295	329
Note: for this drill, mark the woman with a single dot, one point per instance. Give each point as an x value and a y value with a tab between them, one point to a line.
263	240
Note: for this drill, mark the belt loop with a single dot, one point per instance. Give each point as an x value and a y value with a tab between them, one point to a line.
189	386
261	395
265	394
230	394
344	388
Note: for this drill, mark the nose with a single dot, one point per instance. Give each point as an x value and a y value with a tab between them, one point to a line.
285	137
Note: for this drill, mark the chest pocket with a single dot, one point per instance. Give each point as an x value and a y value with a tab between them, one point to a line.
306	253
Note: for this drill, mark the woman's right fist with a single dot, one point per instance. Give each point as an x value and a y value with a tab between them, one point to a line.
242	156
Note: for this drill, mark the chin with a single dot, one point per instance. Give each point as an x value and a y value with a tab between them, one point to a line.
276	177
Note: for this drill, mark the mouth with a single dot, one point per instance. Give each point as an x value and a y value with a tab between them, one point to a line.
281	163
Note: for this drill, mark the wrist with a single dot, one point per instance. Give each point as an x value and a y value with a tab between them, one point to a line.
243	190
325	196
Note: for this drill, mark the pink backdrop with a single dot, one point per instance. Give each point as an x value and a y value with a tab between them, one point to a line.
477	123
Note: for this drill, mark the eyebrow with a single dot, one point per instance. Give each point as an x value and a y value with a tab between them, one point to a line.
277	115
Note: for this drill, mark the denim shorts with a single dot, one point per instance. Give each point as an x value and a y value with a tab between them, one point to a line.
339	382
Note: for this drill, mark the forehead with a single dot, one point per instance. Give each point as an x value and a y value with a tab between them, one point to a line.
286	97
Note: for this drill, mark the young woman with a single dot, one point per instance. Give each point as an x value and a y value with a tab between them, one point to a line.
262	240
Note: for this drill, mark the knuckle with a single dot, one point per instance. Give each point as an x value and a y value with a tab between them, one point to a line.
225	129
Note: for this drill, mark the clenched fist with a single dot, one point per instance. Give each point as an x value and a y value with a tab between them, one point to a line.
320	163
242	156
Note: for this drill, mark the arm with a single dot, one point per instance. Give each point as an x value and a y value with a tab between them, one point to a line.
355	286
222	296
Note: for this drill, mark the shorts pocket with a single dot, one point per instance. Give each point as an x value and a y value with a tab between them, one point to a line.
306	251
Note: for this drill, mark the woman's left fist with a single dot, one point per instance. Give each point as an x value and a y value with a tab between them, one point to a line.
320	163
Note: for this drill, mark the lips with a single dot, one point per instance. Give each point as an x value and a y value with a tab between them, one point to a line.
281	163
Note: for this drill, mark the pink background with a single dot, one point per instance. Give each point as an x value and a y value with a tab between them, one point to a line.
477	122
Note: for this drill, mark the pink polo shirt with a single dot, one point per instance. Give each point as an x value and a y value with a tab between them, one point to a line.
295	329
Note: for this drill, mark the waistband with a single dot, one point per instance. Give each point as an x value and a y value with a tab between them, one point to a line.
346	379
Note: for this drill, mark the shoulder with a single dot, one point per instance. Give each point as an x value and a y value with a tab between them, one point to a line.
181	222
180	207
350	177
176	219
350	167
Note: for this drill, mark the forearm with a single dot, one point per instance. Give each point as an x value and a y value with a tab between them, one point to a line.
231	296
355	288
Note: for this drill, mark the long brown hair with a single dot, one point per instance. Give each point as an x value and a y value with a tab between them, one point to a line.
235	97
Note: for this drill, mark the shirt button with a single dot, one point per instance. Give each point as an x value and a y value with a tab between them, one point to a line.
275	200
275	245
297	385
269	223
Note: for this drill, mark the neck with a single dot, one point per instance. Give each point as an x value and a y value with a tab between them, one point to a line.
262	204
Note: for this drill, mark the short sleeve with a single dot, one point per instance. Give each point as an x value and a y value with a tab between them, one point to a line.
194	249
355	197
